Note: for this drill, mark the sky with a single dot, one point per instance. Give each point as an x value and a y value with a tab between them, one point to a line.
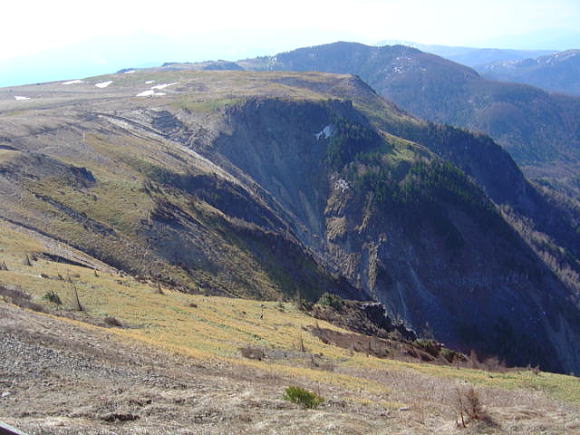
104	34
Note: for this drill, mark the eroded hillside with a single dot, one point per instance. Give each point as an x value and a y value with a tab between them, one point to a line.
265	185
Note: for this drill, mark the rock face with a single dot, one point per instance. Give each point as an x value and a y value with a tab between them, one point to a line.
443	259
367	318
266	185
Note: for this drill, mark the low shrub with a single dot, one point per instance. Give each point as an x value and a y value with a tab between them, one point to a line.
468	405
494	364
302	397
112	322
430	346
252	353
451	355
331	300
51	296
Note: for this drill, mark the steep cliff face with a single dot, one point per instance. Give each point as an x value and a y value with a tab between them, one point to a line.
405	227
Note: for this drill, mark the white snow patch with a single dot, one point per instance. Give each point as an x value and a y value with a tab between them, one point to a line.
20	98
72	82
150	93
565	56
163	85
131	71
342	185
103	85
326	132
149	82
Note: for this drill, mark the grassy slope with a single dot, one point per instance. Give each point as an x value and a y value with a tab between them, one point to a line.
123	161
214	328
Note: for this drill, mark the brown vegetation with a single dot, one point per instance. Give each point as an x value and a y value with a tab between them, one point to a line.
112	322
470	409
18	297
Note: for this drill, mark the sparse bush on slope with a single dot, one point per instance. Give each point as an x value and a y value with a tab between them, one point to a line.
302	397
51	296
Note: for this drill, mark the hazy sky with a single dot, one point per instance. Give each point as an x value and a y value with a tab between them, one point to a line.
32	26
57	39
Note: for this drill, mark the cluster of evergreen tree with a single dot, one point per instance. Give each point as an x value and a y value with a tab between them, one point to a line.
349	139
423	183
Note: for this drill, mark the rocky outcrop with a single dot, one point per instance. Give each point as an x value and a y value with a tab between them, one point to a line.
448	262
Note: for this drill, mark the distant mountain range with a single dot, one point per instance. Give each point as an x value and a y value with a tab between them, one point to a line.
471	56
558	72
541	131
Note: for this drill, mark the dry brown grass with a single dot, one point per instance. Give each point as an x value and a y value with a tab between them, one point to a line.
20	298
432	400
469	407
209	331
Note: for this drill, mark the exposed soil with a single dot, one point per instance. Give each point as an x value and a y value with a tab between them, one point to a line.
62	377
65	378
371	345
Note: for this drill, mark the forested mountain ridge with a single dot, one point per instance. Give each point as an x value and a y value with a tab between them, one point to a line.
556	72
541	131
